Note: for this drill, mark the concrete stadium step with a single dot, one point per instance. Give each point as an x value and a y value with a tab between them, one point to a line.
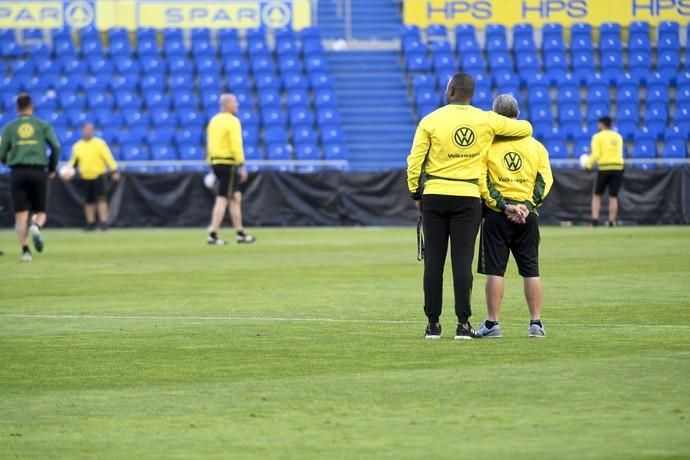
370	19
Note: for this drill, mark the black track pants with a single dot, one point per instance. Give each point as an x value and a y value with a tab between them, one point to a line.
457	218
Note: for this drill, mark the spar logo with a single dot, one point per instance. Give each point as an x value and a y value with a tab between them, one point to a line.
79	14
464	136
512	161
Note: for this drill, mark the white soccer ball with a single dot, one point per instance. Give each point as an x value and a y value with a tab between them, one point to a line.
66	172
584	159
210	180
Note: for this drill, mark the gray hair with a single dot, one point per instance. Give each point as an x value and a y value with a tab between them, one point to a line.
506	105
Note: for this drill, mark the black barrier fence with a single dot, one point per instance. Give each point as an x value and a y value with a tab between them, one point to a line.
334	198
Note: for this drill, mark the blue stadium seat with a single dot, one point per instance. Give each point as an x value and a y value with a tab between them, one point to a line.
262	63
319	81
207	65
657	90
295	81
162	135
180	82
180	65
410	31
639	28
308	151
162	118
301	116
258	48
332	134
146	33
465	31
269	99
441	46
289	64
413	46
639	43
278	151
231	47
436	31
238	82
287	48
596	110
200	34
127	100
234	65
444	63
127	66
135	118
556	66
569	113
250	134
273	116
312	47
556	147
611	66
91	47
120	48
427	97
525	45
75	116
500	61
496	44
328	116
568	92
537	96
335	151
468	45
184	100
581	44
249	118
267	81
527	65
188	136
297	98
209	81
133	152
71	101
153	65
204	49
163	152
275	135
96	99
147	48
675	148
681	115
482	99
304	134
472	62
191	152
644	148
316	64
418	63
156	100
668	65
324	98
553	45
228	34
507	79
597	89
171	34
627	90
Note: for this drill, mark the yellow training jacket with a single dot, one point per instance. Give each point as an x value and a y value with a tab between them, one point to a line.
448	148
516	171
607	150
224	140
93	157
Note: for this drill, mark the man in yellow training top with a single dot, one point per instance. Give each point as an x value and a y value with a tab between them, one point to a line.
93	158
516	172
225	153
443	171
607	151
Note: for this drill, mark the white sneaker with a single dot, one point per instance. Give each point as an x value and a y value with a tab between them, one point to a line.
26	257
245	239
35	233
216	241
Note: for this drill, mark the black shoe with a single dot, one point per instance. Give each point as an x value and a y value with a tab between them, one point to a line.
90	228
610	223
245	239
103	227
465	333
433	331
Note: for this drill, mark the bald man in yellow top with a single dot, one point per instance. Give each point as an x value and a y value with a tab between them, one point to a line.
93	158
225	154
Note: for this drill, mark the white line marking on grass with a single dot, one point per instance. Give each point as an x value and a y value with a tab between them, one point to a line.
207	318
271	319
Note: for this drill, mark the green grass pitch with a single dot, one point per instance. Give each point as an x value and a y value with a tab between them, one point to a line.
146	344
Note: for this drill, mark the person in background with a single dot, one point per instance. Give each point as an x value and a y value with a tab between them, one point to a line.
443	173
23	149
225	153
607	152
93	158
516	172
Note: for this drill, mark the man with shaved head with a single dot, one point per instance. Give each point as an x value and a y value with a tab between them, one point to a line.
443	175
93	158
225	153
516	172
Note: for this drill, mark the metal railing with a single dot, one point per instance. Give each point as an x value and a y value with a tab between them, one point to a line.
181	164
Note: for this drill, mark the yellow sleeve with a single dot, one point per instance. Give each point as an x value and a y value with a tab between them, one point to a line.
544	180
483	175
596	153
504	126
416	159
235	134
108	157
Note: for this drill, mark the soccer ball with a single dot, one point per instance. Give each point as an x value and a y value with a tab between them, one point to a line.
66	172
210	180
584	158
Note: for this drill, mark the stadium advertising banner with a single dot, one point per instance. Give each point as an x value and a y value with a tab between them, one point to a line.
538	12
132	14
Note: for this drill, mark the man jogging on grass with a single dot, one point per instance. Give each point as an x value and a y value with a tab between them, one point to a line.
23	149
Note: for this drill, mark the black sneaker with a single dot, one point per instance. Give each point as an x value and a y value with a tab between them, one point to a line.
433	331
465	333
245	239
90	228
103	227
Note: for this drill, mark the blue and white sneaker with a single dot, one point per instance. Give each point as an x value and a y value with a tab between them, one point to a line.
490	333
35	233
536	331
